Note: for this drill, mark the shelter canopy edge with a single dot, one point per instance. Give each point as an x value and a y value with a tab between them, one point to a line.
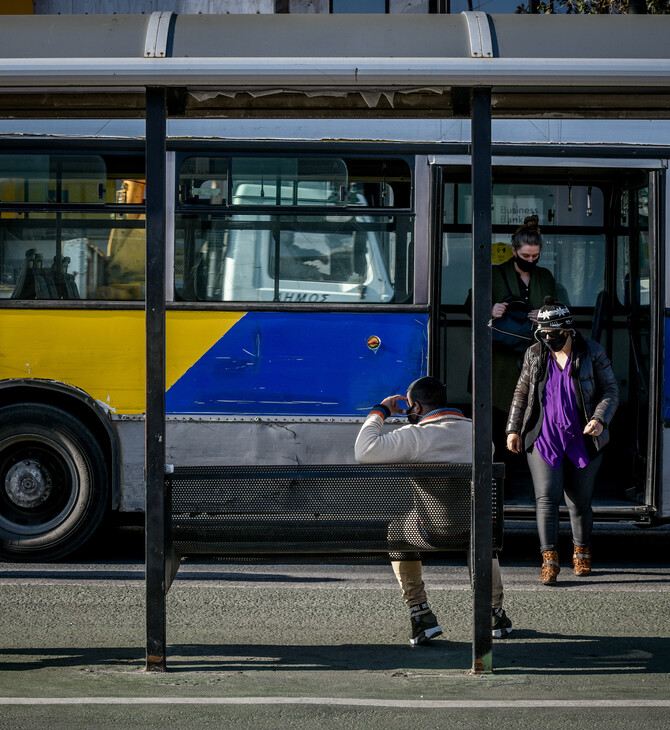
357	66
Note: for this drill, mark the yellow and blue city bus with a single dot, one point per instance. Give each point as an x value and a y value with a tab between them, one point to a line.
305	283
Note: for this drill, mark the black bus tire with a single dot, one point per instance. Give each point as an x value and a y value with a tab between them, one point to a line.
53	483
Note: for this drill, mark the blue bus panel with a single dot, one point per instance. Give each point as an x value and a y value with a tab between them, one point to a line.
304	364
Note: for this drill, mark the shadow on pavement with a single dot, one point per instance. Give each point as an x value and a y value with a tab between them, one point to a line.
535	652
435	656
529	652
137	574
42	658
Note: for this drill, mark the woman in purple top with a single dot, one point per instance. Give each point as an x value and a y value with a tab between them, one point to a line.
561	410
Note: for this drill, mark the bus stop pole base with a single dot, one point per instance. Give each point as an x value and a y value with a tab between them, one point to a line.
156	663
483	664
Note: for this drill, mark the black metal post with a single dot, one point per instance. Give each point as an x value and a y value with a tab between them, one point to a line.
481	545
156	527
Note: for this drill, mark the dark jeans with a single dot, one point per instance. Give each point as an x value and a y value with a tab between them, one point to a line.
550	485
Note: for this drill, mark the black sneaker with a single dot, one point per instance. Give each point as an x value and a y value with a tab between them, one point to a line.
424	627
501	626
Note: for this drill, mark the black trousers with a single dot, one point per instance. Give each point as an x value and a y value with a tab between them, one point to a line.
550	485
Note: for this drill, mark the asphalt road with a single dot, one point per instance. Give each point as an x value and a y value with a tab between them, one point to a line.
271	645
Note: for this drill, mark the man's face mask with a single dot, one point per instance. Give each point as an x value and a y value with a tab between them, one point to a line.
413	418
554	339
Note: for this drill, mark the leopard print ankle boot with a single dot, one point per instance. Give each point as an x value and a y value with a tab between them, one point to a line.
581	560
550	567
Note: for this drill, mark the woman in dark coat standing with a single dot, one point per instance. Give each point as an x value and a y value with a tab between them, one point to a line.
561	410
520	278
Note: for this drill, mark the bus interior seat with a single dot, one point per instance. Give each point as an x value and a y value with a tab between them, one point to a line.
195	280
204	280
36	282
65	283
25	285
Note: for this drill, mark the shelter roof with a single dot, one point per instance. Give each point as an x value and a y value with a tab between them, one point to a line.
336	65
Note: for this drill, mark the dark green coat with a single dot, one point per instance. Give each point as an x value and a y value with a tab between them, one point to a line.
506	366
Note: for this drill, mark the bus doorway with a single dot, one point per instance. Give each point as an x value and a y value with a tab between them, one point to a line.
599	223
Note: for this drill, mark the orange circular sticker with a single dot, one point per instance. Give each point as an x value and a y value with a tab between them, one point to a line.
374	342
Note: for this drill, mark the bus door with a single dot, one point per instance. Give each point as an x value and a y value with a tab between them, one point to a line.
599	221
452	245
639	284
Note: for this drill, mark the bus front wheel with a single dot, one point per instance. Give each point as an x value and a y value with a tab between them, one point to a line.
53	483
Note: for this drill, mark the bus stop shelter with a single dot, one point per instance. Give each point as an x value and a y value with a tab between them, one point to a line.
469	66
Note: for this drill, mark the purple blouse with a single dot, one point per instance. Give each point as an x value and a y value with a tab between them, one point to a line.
561	433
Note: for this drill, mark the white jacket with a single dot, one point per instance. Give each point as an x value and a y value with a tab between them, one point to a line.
441	436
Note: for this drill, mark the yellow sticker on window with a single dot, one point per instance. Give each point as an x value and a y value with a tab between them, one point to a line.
500	252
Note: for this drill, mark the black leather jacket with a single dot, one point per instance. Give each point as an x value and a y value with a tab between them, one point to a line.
592	378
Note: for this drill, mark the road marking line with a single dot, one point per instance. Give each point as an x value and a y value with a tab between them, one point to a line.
337	701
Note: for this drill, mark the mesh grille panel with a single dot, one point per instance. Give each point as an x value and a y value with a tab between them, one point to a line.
325	509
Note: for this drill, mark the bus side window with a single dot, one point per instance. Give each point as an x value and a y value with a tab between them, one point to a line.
93	251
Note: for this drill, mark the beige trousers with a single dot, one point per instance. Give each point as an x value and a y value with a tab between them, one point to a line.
410	578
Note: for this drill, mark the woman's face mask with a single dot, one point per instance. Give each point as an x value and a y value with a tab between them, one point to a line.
525	265
526	258
554	339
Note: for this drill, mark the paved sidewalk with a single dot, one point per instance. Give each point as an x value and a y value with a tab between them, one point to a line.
271	646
